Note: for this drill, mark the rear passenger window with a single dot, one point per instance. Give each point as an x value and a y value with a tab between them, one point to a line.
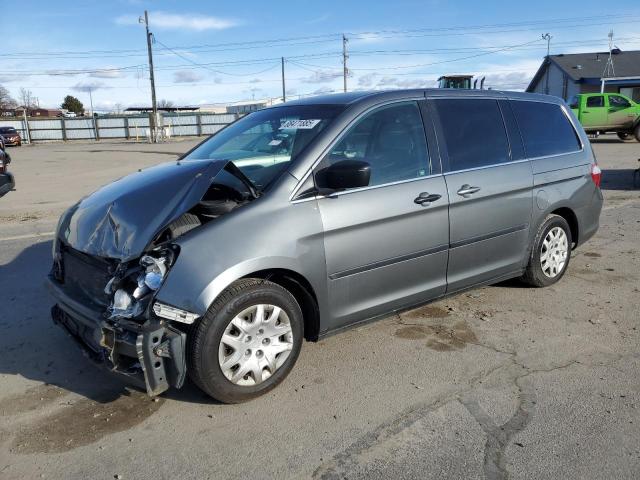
545	129
618	102
474	132
597	101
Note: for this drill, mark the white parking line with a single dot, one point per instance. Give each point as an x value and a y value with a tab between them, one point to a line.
30	235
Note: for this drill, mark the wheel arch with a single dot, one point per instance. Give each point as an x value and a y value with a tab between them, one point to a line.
303	292
570	216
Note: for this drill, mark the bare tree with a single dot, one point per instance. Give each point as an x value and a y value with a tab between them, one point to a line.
165	103
27	98
6	100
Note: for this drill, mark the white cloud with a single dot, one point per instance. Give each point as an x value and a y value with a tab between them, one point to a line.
322	76
107	72
180	21
186	76
395	82
89	86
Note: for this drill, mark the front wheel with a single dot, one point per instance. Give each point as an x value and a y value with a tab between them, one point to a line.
550	254
636	132
248	341
626	136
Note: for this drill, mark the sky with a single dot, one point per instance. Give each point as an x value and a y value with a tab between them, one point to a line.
208	52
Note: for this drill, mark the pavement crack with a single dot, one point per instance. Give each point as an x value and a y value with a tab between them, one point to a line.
347	460
499	437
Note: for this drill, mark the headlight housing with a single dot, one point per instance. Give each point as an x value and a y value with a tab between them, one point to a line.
133	286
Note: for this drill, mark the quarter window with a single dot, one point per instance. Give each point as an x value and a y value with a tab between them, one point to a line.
618	102
474	132
545	129
597	101
391	140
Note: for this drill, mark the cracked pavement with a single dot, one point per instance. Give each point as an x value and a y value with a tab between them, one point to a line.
495	383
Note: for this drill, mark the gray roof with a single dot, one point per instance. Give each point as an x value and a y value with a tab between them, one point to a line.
592	65
579	66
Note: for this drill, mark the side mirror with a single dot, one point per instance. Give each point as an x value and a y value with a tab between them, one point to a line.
344	174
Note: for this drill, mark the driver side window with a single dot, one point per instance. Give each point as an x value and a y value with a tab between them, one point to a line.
391	140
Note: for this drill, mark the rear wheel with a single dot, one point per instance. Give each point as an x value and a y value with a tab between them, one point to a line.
550	254
636	132
626	136
248	341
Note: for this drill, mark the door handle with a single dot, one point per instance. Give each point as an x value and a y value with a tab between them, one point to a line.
467	190
425	198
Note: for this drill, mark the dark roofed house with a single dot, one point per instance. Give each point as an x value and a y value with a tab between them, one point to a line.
570	74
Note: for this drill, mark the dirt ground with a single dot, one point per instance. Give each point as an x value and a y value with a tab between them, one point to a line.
499	382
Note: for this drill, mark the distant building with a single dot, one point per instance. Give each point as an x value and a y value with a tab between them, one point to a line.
247	107
570	74
33	112
135	110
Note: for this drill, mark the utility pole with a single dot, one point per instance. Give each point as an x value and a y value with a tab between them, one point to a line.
345	70
548	38
93	117
284	95
154	105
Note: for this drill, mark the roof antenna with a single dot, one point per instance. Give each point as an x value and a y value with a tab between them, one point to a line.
609	71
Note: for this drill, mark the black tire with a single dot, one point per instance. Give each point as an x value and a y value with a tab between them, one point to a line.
183	224
636	132
533	274
626	136
204	339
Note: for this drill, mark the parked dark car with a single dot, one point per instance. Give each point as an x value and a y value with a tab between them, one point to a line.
7	182
11	136
355	206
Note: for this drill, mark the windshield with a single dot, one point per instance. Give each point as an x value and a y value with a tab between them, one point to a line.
7	130
264	143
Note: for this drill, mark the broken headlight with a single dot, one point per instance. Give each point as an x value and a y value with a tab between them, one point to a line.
134	286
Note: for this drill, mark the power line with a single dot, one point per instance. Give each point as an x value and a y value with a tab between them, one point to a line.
366	35
451	60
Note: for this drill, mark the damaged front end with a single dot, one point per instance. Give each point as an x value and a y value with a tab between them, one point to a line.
118	326
112	253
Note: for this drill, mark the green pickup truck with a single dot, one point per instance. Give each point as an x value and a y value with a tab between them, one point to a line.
608	112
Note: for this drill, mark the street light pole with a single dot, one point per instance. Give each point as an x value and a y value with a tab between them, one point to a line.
154	105
548	38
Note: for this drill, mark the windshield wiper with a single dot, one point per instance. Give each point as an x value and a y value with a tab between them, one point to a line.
233	169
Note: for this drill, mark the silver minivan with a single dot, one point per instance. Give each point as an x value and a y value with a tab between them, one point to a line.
303	219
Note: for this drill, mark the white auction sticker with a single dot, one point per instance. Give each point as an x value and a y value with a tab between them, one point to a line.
307	124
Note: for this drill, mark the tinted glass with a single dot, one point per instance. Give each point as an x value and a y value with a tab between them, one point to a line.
545	129
618	102
391	139
474	132
264	143
597	101
574	102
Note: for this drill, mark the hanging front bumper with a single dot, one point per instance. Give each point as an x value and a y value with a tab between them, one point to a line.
150	354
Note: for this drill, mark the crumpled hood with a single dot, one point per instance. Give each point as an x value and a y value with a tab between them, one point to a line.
120	219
